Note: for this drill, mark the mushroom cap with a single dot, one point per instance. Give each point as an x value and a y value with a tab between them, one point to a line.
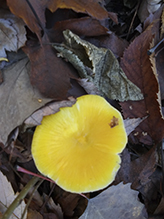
78	147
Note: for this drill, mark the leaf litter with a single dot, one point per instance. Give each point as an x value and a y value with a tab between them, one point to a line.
49	77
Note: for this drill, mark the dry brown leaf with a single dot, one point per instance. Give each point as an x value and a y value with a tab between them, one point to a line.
141	71
84	26
21	9
90	7
49	74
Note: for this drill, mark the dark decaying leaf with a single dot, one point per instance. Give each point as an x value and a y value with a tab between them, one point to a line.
85	26
22	9
116	202
49	74
144	175
90	7
99	66
140	69
137	171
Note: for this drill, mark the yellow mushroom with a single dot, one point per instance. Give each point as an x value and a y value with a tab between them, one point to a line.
78	147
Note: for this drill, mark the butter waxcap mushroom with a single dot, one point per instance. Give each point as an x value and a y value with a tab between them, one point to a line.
78	147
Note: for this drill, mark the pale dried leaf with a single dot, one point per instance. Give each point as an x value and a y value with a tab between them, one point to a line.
99	66
7	197
12	32
18	98
116	202
51	108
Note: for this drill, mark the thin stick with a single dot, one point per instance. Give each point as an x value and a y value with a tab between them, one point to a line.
30	199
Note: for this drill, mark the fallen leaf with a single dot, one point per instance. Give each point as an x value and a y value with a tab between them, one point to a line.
23	10
51	108
137	171
116	202
140	69
56	209
12	32
45	66
68	201
84	26
148	7
91	7
99	66
7	197
18	98
33	214
49	74
116	44
131	124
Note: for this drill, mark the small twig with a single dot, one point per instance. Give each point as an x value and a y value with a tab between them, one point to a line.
20	197
29	200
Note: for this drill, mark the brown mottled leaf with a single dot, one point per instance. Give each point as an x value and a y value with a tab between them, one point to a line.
99	66
140	69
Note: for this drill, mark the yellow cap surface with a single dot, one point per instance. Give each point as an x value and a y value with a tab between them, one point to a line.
78	146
